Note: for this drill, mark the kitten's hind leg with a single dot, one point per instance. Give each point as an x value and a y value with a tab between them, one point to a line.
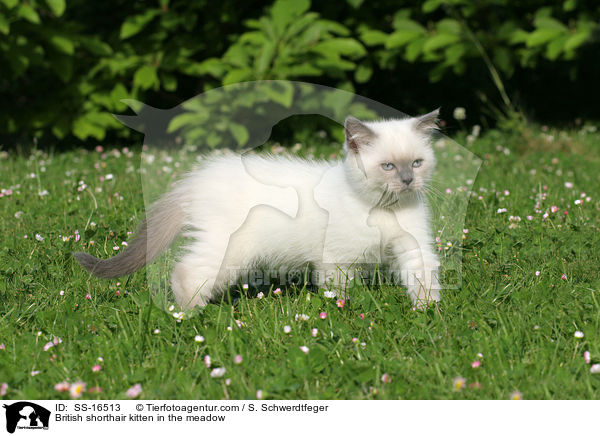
194	284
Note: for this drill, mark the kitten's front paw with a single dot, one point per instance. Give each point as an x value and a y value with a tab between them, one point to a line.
423	298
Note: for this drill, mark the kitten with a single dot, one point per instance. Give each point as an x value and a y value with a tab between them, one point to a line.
286	213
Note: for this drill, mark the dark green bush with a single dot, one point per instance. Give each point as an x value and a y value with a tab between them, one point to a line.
64	69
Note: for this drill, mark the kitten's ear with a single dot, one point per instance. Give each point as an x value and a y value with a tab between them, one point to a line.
357	133
427	122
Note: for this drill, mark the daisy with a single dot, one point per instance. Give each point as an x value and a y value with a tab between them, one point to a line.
134	391
77	389
218	372
62	386
458	383
516	395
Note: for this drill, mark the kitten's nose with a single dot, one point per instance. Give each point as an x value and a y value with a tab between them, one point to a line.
406	177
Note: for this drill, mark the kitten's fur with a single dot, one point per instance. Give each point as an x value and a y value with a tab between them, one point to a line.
243	211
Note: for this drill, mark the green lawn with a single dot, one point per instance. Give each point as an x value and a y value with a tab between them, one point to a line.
527	287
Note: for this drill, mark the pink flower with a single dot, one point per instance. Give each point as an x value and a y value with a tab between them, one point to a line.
475	385
385	378
88	297
587	357
277	291
554	209
238	359
476	364
314	332
340	303
2	346
134	391
61	387
3	389
207	361
95	390
304	349
361	316
96	368
323	315
563	277
259	394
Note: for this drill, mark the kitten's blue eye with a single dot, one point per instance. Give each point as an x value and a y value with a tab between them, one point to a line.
388	166
417	163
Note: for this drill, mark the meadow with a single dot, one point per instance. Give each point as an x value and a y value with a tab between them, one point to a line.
525	322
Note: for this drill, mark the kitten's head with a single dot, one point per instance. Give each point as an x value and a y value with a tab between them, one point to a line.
390	158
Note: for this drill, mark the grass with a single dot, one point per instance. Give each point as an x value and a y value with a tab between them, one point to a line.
522	323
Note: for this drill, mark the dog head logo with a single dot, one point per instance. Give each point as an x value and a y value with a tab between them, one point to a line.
26	415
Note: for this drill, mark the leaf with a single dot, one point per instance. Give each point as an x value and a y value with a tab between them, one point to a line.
239	132
569	5
454	53
431	5
408	25
83	128
135	24
285	11
400	38
57	6
237	75
448	25
363	73
549	23
343	46
373	37
440	40
168	81
145	77
541	36
279	92
555	47
577	39
4	25
27	12
10	3
96	46
186	119
62	44
355	3
414	49
263	61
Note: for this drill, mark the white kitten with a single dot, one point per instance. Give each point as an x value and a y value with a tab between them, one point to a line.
247	213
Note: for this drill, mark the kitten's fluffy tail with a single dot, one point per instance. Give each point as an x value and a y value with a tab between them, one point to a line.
153	236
